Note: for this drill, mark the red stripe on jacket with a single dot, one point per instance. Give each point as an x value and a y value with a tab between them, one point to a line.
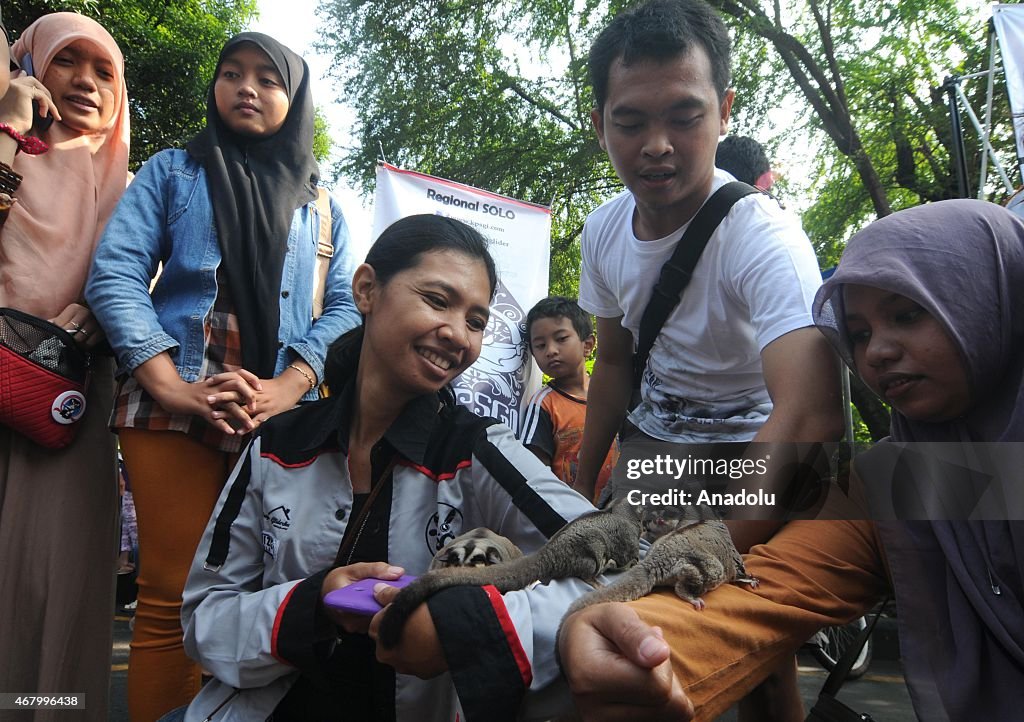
277	627
437	477
515	646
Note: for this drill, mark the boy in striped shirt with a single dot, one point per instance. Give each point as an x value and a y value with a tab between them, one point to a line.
561	338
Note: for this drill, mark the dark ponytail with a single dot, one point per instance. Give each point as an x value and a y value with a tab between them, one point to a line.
397	249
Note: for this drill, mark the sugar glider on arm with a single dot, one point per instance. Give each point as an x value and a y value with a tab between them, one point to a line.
695	557
478	547
585	548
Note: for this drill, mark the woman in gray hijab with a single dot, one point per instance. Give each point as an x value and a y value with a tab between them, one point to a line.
927	306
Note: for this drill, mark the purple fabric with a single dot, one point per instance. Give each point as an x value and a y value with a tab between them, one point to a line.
958	584
963	261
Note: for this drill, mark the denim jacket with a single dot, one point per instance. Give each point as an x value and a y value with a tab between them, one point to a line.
166	216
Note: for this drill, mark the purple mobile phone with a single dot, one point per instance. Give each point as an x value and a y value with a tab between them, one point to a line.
357	597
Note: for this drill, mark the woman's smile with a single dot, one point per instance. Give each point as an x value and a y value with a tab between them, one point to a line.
436	358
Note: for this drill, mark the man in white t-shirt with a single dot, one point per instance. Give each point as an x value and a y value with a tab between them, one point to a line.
739	358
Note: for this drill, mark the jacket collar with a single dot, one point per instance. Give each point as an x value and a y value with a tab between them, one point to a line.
409	434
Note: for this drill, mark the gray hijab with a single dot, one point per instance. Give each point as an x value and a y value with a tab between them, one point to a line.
963	261
958	583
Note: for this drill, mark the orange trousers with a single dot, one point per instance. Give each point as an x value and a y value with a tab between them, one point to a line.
175	482
812	574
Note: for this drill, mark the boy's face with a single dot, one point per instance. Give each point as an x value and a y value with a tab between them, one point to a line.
660	127
557	348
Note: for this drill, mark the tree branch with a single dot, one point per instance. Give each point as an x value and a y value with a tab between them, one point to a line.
748	10
508	82
572	71
833	113
829	49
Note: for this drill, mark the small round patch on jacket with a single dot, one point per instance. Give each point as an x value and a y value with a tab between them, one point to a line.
68	407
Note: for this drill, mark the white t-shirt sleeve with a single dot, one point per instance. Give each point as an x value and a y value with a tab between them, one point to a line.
595	295
773	269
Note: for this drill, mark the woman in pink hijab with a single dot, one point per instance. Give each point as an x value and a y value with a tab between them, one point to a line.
58	509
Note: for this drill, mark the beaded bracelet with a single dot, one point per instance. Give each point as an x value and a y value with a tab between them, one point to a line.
10	179
309	378
26	143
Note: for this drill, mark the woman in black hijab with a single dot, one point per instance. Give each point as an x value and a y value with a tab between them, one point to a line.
256	181
227	338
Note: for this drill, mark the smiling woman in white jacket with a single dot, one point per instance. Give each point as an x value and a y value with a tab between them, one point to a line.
371	482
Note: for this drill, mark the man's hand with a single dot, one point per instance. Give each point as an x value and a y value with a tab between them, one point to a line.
619	668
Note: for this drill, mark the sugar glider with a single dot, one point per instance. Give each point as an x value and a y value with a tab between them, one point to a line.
586	547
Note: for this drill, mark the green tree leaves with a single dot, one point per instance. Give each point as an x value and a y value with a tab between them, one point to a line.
485	92
494	93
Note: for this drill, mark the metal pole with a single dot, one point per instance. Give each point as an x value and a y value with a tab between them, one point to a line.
971	76
959	163
987	150
847	406
988	112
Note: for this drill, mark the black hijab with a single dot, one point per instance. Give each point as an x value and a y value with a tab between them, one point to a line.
255	185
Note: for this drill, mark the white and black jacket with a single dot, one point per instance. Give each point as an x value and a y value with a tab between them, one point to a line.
251	610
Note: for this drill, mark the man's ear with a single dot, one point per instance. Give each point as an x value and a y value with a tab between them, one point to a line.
364	287
588	345
725	109
597	118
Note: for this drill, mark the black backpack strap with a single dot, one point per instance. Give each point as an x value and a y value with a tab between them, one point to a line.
677	271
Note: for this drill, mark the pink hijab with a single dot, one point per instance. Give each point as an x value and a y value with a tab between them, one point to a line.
67	194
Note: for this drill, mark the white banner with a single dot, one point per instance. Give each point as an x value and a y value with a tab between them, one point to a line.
1009	24
504	377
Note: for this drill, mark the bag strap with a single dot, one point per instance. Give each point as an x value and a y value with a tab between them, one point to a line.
842	669
353	530
678	270
324	251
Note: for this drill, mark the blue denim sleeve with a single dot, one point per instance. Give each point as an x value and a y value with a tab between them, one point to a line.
340	312
126	260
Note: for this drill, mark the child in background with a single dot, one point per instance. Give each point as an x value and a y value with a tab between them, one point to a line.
561	338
